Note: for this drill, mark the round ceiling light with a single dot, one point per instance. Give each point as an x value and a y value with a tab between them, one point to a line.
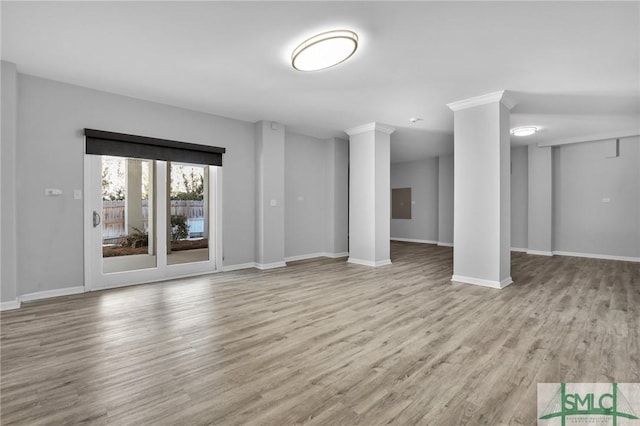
324	50
524	131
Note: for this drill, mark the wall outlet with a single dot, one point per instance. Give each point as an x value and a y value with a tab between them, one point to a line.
52	192
77	194
273	203
606	200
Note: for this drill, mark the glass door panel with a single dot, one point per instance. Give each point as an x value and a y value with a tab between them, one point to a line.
188	218
130	237
128	219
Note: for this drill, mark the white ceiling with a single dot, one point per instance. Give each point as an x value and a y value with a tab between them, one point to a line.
573	67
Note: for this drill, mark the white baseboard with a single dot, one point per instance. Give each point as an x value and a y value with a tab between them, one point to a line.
369	262
597	256
51	293
523	250
39	295
540	252
315	255
303	257
443	244
485	283
336	255
12	304
273	265
228	268
413	240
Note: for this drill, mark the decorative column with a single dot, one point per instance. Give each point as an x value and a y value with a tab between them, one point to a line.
369	194
133	190
269	195
482	191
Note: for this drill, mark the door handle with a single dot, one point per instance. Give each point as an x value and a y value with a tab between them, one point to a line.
96	219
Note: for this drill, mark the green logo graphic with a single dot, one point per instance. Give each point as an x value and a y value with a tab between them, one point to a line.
565	404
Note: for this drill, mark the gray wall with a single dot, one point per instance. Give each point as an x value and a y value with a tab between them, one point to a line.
8	261
519	195
540	200
306	186
337	235
270	149
582	178
51	116
422	178
445	199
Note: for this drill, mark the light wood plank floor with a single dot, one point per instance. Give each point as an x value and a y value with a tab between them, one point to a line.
323	342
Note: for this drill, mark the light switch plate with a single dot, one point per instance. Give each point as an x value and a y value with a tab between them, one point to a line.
77	194
274	203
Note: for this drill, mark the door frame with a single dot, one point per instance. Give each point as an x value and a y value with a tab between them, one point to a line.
162	271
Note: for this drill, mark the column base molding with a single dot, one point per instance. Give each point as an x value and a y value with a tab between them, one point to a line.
484	283
369	262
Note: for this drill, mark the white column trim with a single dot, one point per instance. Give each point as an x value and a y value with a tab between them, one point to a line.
484	283
369	262
501	96
273	265
374	126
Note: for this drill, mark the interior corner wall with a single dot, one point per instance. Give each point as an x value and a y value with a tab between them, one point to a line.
50	152
306	185
422	178
596	200
445	199
519	197
337	241
8	260
540	200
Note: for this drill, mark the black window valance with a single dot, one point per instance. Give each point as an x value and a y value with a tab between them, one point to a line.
100	142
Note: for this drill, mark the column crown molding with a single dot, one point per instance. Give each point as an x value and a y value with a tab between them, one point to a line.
369	127
501	96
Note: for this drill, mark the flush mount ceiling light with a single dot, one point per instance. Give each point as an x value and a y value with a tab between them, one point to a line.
524	131
324	50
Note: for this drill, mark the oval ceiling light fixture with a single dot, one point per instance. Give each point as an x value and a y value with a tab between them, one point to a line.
524	131
324	50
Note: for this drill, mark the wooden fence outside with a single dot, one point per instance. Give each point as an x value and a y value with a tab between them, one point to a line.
113	213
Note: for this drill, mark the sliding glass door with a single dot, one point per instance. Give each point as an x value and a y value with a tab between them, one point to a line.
188	191
149	220
126	216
